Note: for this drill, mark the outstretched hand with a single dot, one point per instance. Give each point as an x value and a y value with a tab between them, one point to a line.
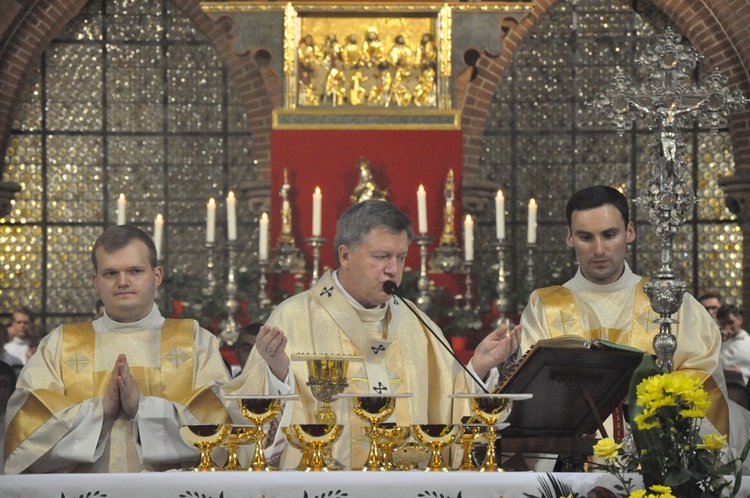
271	344
122	391
496	348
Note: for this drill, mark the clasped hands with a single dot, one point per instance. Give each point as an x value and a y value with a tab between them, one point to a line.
122	391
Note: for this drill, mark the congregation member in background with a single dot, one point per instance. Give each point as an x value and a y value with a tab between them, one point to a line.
350	311
605	300
712	302
735	342
7	386
6	356
244	345
110	395
21	325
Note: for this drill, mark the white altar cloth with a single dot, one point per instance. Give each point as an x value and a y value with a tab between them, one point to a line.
293	484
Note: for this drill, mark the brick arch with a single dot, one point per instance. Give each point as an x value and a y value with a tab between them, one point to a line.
35	26
718	32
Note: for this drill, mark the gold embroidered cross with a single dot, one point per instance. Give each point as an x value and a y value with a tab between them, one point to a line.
562	321
77	362
646	320
177	357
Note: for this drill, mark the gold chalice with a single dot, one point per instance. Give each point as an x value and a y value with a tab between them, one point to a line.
374	409
491	409
313	440
436	437
260	409
470	433
205	437
390	437
326	378
237	436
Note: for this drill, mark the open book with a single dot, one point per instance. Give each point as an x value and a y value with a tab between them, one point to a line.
576	385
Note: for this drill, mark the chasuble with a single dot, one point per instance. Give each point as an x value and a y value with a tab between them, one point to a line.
55	417
398	356
621	312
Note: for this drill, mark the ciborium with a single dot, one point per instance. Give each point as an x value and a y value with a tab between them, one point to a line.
410	455
491	409
260	409
205	437
374	409
436	437
390	437
314	440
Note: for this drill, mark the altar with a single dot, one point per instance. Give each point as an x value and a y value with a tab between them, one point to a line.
292	484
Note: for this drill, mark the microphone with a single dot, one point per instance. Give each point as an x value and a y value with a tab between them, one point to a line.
390	288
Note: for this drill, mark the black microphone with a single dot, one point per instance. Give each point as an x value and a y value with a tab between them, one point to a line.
390	288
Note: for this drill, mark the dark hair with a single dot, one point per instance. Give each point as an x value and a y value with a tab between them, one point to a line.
361	218
728	309
116	237
25	311
251	329
596	196
709	295
8	371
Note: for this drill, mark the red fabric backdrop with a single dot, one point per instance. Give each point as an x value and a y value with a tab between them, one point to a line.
400	160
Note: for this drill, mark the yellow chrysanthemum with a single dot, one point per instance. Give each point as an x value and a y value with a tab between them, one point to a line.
713	442
606	448
638	493
663	491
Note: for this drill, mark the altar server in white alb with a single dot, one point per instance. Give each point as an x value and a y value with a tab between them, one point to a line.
349	312
110	395
605	300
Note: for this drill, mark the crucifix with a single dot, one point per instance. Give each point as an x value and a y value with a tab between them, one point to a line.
666	97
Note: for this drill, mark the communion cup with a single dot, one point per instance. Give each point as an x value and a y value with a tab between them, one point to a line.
390	437
374	409
260	409
237	436
326	378
205	437
294	442
470	433
491	409
436	437
315	439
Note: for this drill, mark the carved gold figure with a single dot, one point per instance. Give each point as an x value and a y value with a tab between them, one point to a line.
366	188
357	92
372	48
424	92
352	52
336	84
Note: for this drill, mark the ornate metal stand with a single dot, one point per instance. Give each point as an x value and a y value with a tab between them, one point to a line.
210	266
263	299
530	263
502	303
468	296
423	284
230	330
446	258
665	99
316	243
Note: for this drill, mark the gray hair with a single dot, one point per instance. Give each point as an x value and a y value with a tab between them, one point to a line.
361	218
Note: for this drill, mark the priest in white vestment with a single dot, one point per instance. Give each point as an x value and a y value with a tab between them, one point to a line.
349	312
110	395
605	300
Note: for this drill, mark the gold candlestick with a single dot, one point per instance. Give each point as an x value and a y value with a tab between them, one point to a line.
446	257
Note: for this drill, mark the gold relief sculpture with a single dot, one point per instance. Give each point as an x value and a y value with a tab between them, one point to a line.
366	188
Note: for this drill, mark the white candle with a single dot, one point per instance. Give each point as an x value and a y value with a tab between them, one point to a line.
468	238
121	205
211	221
231	217
317	206
263	238
422	209
531	229
158	234
500	215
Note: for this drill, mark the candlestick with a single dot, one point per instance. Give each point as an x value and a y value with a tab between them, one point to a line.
316	243
468	238
423	284
263	239
231	217
229	331
500	215
158	234
210	265
121	206
422	209
263	300
468	294
502	303
317	207
211	221
531	228
530	269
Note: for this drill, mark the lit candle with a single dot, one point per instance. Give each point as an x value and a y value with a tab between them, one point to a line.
468	238
531	229
422	209
317	206
231	217
263	238
158	234
500	215
211	221
121	205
